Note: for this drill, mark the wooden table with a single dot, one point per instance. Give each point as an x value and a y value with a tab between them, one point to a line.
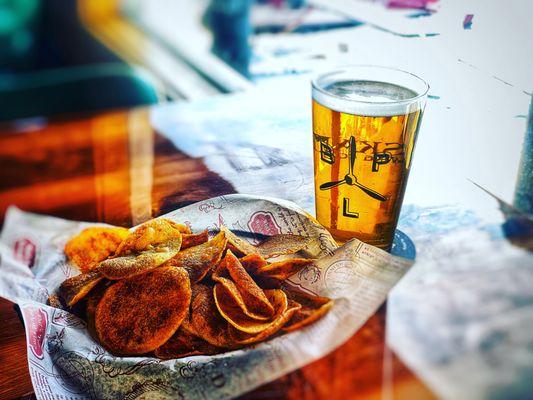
98	168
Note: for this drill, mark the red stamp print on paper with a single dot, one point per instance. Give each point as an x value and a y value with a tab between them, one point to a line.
220	222
36	320
25	250
264	222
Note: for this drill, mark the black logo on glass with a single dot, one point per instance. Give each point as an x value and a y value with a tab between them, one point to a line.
351	180
326	153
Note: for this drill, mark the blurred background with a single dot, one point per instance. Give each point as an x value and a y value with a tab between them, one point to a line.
62	56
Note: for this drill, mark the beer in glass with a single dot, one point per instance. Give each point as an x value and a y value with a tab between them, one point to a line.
365	123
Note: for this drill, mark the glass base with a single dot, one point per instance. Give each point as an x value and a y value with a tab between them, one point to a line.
342	237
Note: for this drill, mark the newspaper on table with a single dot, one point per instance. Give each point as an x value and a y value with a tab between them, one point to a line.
65	362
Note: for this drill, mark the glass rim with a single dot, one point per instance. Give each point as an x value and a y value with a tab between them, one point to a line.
419	96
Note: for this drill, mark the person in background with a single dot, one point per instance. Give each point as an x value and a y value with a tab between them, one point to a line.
229	21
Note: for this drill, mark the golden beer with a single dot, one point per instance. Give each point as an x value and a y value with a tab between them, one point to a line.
364	133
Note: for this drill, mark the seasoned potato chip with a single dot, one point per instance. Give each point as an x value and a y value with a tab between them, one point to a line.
160	235
237	245
180	227
201	259
76	288
305	299
55	301
93	245
185	344
149	246
282	270
242	338
131	265
232	312
252	263
257	304
307	316
312	308
278	245
92	302
271	247
231	290
207	323
186	324
194	239
139	314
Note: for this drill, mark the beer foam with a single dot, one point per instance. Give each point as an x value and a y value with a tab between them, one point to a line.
368	95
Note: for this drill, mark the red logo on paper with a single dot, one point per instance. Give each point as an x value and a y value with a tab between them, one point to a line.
220	222
24	250
36	320
264	222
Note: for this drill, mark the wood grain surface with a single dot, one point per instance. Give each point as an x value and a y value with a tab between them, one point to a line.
115	168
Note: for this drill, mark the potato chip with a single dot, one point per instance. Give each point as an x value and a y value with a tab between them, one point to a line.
160	235
243	338
192	239
132	265
76	288
149	246
206	321
139	314
201	259
252	263
307	316
93	245
180	227
237	245
55	301
232	291
312	309
257	304
185	344
278	245
282	270
232	312
90	307
186	324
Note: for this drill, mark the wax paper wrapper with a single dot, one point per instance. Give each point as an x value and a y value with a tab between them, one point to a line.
65	362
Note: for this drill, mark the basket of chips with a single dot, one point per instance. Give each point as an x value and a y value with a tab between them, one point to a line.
208	301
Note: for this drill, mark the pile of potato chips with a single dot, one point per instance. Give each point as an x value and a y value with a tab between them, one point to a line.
164	290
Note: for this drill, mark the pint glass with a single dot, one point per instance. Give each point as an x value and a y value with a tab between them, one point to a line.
365	124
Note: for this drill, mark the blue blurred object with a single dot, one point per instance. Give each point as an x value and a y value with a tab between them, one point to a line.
403	246
49	64
307	27
229	21
296	3
523	198
278	3
74	89
19	19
